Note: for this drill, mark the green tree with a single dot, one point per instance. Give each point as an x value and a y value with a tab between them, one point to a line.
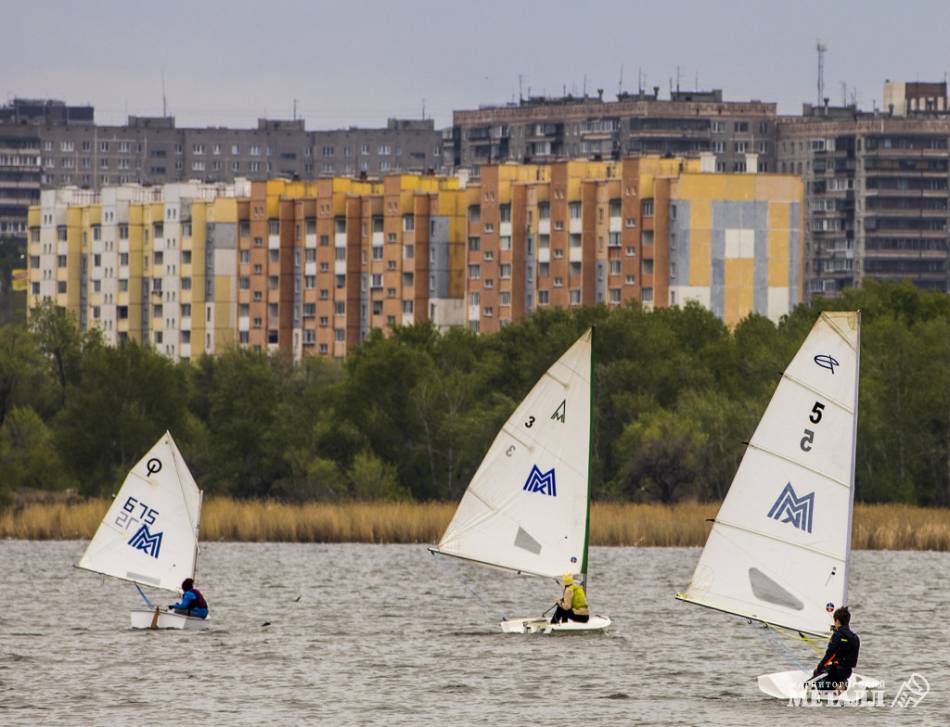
29	454
127	397
372	479
23	381
661	457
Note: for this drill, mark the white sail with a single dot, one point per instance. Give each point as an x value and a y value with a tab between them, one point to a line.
779	548
526	508
150	533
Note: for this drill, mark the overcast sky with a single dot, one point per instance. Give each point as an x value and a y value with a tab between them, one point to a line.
229	62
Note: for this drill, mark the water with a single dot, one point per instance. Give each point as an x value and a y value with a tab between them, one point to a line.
392	635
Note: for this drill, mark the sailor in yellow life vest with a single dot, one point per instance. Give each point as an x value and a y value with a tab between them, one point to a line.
573	604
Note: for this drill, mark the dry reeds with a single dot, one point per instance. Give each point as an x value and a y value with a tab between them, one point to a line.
886	527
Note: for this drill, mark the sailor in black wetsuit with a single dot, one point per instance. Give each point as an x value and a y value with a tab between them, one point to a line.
841	657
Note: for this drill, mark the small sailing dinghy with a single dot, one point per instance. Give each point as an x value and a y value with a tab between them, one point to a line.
779	550
149	536
527	507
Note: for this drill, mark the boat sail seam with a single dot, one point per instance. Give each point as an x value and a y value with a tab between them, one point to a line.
816	392
752	531
773	453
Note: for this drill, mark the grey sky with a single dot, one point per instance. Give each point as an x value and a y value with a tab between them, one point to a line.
230	61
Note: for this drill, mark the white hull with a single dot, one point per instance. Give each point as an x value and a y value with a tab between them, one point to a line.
540	625
144	619
791	685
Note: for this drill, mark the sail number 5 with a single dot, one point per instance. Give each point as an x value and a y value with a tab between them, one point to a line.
814	418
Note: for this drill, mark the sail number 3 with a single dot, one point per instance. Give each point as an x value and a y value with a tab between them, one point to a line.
128	514
814	418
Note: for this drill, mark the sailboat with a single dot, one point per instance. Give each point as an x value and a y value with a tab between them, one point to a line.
779	551
527	509
149	535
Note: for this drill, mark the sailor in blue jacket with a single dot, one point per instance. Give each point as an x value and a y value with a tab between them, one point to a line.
842	655
192	603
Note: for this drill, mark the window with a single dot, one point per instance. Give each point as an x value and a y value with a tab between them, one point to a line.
647	295
474	243
574	208
575	297
542	297
408	223
505	271
648	208
647	267
474	272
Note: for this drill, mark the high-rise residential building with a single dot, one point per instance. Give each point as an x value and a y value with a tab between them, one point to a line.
877	193
545	129
651	229
20	174
48	144
155	265
295	267
324	262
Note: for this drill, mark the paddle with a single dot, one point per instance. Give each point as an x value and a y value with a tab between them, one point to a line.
154	624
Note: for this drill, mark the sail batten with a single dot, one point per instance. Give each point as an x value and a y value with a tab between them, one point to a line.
525	509
831	400
149	534
790	461
779	548
759	533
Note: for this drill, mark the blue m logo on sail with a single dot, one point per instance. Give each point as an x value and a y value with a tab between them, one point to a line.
542	482
790	508
150	543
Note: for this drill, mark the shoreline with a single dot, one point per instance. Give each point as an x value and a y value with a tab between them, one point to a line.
876	527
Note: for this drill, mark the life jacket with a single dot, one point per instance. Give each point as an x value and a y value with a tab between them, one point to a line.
199	601
579	599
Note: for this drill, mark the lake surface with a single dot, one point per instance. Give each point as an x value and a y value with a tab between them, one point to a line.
388	634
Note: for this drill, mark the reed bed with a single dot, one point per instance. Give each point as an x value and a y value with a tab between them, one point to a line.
883	527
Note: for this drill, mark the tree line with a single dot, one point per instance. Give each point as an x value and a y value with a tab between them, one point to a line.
410	415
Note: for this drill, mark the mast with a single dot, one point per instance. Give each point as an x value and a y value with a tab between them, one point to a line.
854	450
590	458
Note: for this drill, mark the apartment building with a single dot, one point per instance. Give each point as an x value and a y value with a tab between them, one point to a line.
20	174
48	144
344	256
652	229
155	265
288	266
877	193
543	129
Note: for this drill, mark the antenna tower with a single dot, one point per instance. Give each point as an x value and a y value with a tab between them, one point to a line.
822	48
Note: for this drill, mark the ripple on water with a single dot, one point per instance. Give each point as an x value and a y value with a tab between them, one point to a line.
420	648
